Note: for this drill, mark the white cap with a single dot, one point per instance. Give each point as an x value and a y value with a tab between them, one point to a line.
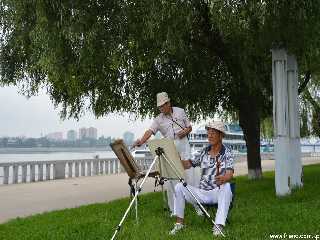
216	125
162	98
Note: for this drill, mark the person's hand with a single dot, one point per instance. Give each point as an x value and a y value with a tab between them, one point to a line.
219	180
137	143
181	133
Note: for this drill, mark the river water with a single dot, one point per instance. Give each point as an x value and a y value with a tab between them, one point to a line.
54	154
49	154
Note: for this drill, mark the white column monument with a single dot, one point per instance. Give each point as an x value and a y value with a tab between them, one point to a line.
287	148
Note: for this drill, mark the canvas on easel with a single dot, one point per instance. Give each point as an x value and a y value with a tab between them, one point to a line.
171	153
126	159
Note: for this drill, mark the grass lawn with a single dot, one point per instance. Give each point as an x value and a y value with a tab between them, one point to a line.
257	213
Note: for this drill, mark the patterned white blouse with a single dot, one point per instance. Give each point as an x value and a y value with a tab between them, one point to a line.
209	165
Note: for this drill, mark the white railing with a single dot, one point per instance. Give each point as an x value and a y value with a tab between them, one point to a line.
35	171
23	172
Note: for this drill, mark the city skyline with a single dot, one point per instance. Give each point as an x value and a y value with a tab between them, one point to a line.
72	134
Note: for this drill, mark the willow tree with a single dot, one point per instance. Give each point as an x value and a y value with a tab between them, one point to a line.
114	56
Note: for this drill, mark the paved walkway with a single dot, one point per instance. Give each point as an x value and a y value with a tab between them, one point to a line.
19	200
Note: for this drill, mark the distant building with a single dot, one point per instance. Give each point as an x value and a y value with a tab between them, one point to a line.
108	141
71	135
128	138
57	136
104	141
88	133
82	133
92	133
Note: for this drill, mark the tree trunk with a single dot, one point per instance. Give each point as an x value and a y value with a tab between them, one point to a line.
315	113
249	120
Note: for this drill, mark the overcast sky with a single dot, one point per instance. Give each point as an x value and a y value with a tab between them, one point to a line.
36	116
32	117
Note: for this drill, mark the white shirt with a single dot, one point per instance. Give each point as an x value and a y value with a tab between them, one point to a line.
168	125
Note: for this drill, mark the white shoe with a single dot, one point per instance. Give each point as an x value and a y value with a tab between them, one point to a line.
198	210
217	230
177	227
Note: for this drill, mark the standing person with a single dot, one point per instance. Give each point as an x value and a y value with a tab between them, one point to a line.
172	123
216	162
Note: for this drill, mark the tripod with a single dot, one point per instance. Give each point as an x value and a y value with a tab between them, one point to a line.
160	153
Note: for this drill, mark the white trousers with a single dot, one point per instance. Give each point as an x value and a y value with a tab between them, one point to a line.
222	196
192	178
192	175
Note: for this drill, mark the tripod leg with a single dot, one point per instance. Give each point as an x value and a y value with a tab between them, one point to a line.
164	196
136	202
164	199
134	199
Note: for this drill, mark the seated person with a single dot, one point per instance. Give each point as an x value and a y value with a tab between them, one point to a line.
216	162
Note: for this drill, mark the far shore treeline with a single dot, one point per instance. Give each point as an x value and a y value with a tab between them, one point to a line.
15	142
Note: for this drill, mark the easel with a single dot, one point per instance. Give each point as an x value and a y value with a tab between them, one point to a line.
166	146
131	167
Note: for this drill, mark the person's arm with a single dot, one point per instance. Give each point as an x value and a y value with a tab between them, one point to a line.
152	130
184	132
195	161
144	138
188	128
